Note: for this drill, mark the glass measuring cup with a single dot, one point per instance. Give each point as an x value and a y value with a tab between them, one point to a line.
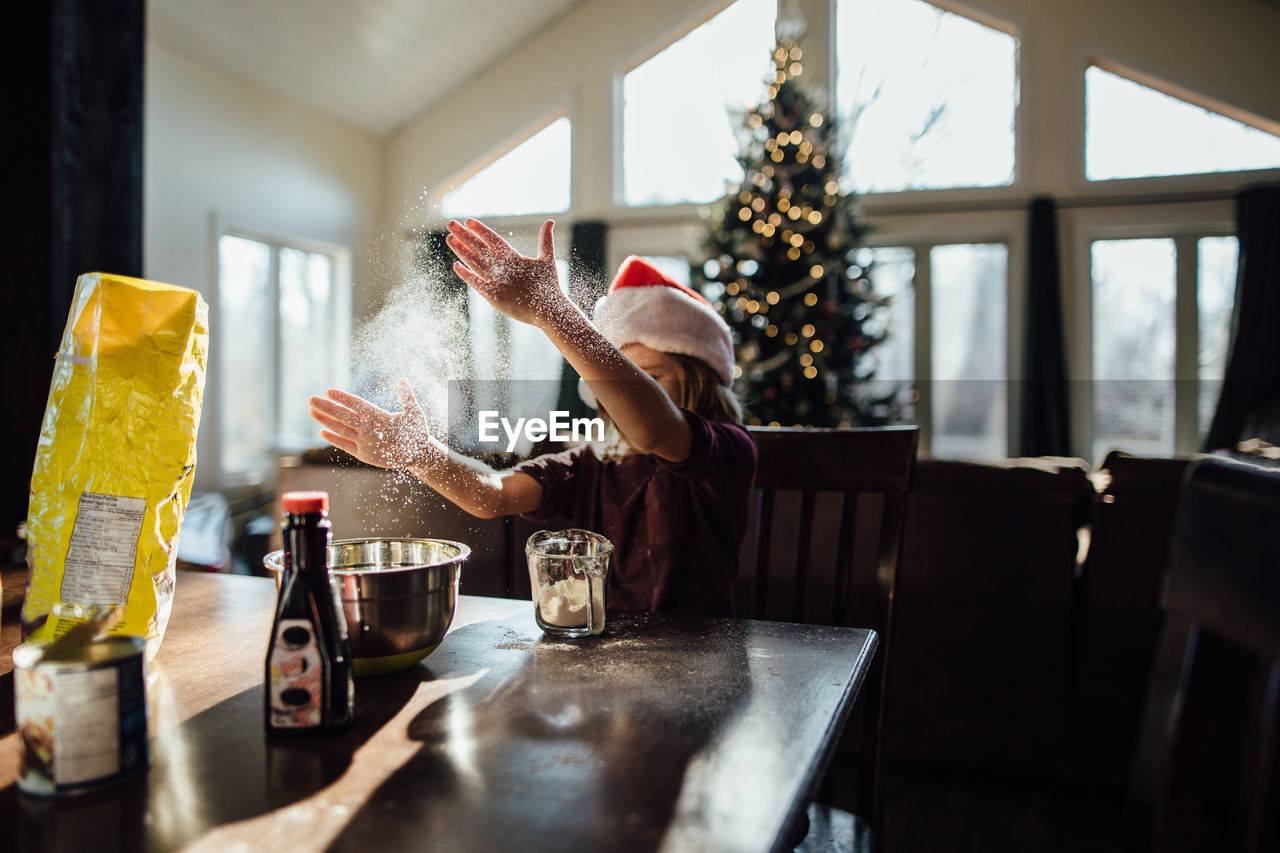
568	571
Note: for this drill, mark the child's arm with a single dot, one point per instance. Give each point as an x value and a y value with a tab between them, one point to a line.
401	440
528	290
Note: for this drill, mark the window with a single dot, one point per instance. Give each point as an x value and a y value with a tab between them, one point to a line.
893	273
1133	345
516	368
928	97
282	322
674	267
968	296
1140	394
1215	298
534	177
961	386
503	348
679	141
1132	131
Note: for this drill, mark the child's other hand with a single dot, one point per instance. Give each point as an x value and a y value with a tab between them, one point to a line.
525	288
373	435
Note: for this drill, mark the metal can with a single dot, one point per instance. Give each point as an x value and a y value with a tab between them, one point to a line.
81	714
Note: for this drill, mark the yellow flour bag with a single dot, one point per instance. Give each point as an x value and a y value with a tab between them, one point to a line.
117	456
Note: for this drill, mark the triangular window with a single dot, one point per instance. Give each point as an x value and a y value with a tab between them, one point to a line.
533	177
1134	131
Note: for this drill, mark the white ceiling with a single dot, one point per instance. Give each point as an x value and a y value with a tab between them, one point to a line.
376	64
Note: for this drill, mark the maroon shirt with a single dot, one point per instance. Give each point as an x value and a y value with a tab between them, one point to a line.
676	527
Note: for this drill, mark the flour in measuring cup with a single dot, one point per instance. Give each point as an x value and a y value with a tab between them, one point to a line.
564	603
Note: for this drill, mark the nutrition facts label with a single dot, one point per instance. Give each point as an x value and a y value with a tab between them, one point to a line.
103	549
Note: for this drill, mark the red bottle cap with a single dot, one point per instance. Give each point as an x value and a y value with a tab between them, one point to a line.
300	502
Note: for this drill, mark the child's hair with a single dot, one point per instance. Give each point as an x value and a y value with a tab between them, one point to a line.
701	392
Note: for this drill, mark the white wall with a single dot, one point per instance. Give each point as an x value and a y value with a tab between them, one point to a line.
218	147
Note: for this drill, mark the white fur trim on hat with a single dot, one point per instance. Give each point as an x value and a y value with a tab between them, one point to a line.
665	319
643	306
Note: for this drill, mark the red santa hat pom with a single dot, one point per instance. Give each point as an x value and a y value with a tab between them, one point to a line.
643	306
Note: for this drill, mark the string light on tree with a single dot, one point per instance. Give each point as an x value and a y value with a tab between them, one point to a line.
806	319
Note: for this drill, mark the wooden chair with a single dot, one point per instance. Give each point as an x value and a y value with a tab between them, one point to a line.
988	563
822	548
1205	777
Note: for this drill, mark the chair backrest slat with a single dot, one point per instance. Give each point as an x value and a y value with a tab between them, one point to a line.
804	540
763	544
848	542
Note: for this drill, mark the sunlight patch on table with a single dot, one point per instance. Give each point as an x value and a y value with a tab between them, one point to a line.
325	814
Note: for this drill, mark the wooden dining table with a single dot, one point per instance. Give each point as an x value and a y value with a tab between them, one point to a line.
664	733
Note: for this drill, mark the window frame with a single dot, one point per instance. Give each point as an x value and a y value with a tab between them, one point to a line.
521	135
340	318
1192	180
920	234
1153	189
630	61
1015	192
1184	223
1018	187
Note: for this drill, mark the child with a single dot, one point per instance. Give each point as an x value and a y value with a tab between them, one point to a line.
670	488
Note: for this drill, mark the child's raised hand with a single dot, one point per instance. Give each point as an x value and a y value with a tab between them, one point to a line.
525	288
371	434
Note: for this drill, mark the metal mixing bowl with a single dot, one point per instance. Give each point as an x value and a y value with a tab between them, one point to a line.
398	596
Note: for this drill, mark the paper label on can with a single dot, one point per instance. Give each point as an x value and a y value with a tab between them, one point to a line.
88	716
69	726
103	549
34	702
297	676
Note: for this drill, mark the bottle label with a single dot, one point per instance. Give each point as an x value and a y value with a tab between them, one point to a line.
297	676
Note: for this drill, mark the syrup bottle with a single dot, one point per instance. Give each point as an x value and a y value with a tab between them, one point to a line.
309	687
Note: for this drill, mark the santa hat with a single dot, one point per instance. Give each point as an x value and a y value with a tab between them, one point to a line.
643	306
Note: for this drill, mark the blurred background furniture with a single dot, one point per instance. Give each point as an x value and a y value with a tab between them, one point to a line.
980	678
205	543
1206	774
1119	615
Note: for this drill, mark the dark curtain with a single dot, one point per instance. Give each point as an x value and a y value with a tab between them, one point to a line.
1249	404
587	271
73	78
1046	414
434	258
588	281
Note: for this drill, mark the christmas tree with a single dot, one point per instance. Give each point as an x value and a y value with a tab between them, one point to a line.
786	273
